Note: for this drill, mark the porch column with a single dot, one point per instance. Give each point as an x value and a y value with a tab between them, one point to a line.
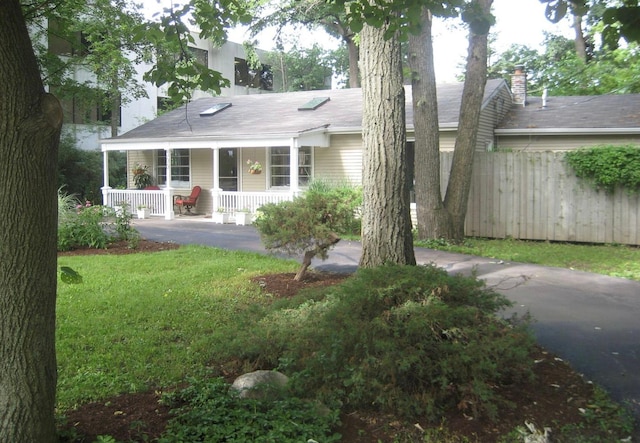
293	168
168	191
105	178
216	179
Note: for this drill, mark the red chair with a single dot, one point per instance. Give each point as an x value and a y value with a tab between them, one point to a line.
187	202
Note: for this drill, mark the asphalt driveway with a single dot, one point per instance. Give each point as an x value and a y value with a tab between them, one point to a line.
590	320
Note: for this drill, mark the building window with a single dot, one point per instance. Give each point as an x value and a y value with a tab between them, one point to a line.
254	78
201	56
180	168
280	168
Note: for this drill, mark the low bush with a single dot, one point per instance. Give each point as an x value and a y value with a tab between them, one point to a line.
413	341
310	224
207	411
86	225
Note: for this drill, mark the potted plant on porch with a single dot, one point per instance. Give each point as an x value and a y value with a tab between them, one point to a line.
143	211
220	216
141	177
244	217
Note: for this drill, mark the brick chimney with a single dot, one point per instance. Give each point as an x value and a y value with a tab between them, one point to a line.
519	86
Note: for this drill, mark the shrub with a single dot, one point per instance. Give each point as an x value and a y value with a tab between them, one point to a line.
608	166
412	341
86	225
307	225
207	411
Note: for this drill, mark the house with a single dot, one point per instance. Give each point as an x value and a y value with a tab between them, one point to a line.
295	136
298	136
562	123
88	123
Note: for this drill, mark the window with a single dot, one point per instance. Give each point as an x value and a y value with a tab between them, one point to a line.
201	56
255	78
180	168
87	110
280	170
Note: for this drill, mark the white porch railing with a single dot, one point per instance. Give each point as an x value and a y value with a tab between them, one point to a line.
154	200
233	201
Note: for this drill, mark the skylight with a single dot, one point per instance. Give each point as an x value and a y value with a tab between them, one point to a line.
215	109
313	104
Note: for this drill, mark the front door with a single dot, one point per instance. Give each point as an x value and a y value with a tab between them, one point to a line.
228	169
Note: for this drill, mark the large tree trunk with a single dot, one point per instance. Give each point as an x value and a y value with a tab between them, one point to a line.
386	220
354	60
433	218
579	41
30	122
473	92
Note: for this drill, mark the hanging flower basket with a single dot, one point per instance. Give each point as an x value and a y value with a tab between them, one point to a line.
254	167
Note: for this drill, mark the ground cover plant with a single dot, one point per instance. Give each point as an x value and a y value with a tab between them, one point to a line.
143	323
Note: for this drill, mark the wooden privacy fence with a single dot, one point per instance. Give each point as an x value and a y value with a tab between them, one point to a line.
536	196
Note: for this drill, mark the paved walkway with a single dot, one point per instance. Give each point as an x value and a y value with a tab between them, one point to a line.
590	320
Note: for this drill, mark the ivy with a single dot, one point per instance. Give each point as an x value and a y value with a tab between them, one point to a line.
608	166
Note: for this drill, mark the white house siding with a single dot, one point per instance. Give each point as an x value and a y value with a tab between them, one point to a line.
560	142
342	161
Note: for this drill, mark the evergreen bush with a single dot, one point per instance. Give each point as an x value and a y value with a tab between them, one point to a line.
412	341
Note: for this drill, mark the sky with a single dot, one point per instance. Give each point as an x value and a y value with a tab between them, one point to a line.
517	22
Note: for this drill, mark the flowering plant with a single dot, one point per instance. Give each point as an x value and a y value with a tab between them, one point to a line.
254	166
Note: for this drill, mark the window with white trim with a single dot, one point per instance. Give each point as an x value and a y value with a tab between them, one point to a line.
180	168
280	167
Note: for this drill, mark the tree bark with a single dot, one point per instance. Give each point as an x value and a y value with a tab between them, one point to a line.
472	95
433	218
30	122
579	41
354	59
321	249
386	220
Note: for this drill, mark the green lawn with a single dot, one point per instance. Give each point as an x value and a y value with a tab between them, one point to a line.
614	260
137	323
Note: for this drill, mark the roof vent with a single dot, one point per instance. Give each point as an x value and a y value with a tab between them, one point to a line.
313	104
215	109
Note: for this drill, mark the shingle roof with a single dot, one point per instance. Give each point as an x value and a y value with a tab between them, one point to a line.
579	112
278	113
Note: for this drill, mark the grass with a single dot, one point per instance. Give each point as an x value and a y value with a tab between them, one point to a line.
150	321
614	260
136	323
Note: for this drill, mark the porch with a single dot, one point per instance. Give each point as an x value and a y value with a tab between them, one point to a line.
160	202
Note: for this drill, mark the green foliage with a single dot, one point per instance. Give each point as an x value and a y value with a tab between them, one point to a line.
69	275
207	411
141	177
95	226
562	72
302	69
309	222
407	340
109	341
608	166
614	260
79	171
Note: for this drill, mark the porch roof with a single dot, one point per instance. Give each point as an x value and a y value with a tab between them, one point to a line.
260	120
